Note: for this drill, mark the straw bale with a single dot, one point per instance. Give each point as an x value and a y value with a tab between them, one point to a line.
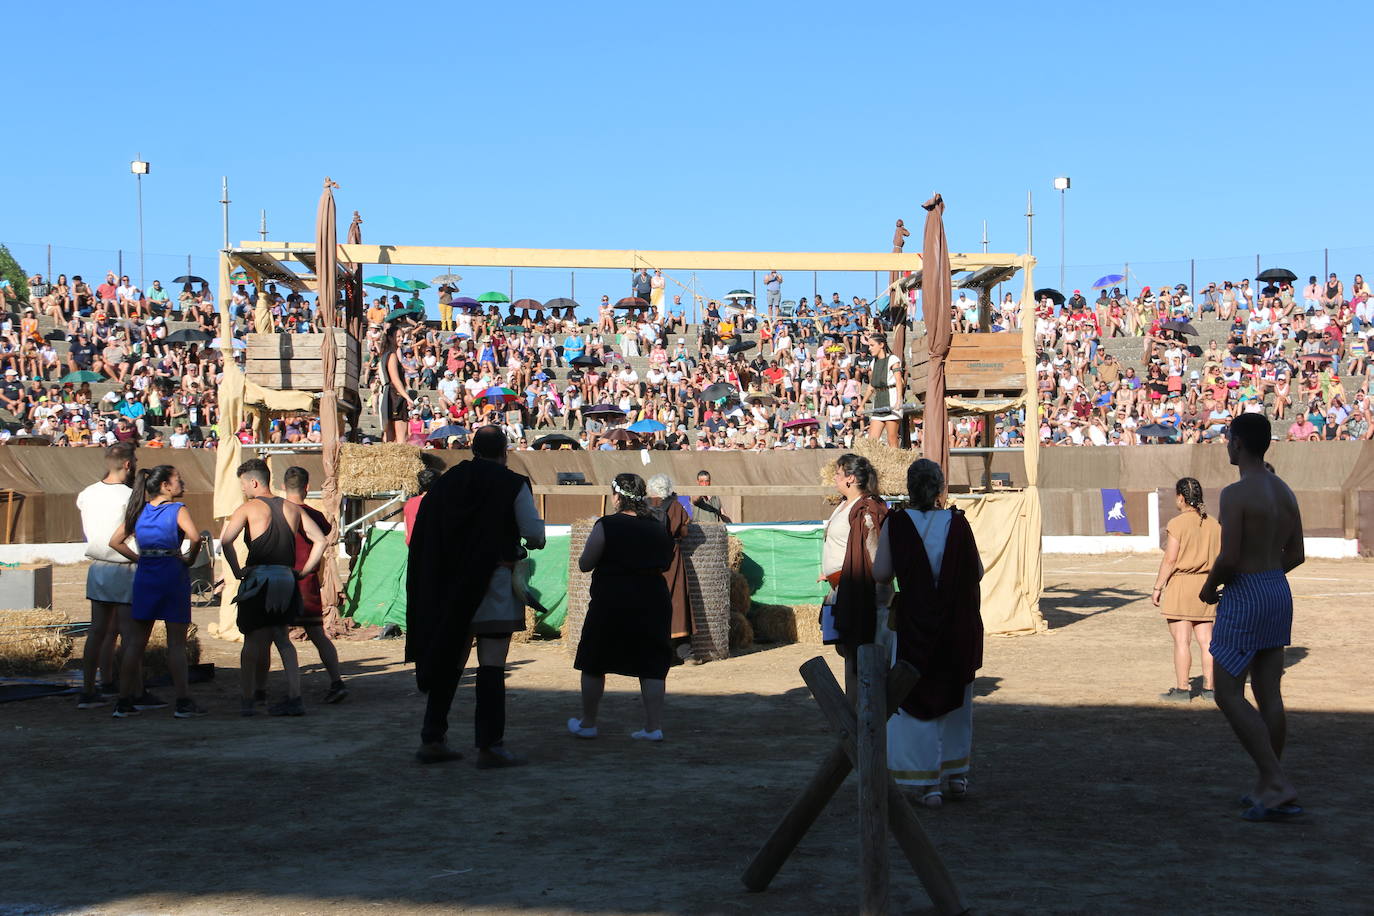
366	470
808	624
736	552
741	633
890	463
155	656
527	634
775	623
739	593
33	641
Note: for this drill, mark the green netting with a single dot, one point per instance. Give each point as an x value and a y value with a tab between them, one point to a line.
782	564
376	588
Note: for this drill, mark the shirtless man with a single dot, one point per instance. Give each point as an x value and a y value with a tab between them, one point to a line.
1261	541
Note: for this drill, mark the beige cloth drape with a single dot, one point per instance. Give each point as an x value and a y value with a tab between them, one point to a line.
1007	529
935	298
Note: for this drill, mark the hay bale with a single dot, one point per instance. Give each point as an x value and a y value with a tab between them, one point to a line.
741	633
808	624
739	593
527	634
34	641
735	552
155	655
367	470
890	463
775	623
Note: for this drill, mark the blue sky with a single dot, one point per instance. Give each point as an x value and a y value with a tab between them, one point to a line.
1189	130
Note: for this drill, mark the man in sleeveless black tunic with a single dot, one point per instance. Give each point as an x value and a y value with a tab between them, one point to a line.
459	586
268	597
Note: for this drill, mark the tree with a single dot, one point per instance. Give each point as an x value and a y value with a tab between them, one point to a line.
11	271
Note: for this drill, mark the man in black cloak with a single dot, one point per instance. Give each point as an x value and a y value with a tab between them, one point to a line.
460	585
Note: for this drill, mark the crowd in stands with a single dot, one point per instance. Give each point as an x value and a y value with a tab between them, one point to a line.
795	374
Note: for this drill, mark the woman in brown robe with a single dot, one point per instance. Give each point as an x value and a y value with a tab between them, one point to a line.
668	508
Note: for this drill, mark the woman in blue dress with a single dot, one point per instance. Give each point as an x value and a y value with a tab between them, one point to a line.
158	521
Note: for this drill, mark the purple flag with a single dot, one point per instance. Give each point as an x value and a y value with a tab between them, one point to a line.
1114	513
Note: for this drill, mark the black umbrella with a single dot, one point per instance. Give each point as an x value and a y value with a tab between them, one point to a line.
1054	294
586	361
557	441
1244	351
718	392
602	410
562	303
1179	327
1157	431
55	334
1193	350
191	278
1277	275
631	302
188	336
740	346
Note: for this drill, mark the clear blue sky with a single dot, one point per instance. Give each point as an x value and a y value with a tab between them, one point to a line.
1189	129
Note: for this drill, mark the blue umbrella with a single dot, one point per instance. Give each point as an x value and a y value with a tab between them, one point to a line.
444	432
1108	280
646	426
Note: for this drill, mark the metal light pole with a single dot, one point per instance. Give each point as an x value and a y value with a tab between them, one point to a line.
139	168
224	201
1030	225
1061	185
262	226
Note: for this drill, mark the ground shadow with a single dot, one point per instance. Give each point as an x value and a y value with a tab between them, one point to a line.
1062	605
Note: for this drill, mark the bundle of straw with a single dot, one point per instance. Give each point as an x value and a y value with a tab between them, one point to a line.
739	593
774	623
386	467
34	641
735	552
741	633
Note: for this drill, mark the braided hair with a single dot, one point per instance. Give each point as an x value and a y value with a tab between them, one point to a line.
632	494
1191	491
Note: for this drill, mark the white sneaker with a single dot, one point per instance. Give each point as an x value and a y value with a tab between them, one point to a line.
642	735
575	726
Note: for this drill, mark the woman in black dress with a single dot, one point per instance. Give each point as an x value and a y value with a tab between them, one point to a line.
628	624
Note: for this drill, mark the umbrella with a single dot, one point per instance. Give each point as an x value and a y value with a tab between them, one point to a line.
740	346
493	297
528	305
446	278
444	432
513	328
620	434
192	278
1277	275
791	302
498	394
720	391
235	343
84	375
561	303
1179	327
738	294
188	336
415	285
800	422
392	284
409	311
1108	280
466	302
557	441
587	362
602	410
647	426
1157	431
760	397
631	302
1244	351
55	334
1194	350
1054	294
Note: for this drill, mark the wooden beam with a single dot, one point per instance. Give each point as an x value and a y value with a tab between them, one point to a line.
628	258
873	781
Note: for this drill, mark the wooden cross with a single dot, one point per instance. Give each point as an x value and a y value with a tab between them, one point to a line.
861	742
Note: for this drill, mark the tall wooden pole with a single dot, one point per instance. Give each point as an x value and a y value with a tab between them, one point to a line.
873	779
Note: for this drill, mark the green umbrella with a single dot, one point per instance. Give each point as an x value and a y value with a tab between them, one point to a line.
85	375
408	312
416	285
393	284
493	297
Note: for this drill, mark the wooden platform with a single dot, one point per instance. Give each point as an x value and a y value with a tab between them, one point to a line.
294	361
979	365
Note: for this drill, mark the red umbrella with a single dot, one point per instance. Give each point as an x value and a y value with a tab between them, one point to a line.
800	422
630	302
528	305
326	266
935	298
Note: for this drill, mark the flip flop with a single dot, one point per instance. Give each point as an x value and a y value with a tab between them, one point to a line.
1248	801
1281	813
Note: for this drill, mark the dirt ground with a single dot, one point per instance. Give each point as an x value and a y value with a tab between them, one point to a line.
1089	796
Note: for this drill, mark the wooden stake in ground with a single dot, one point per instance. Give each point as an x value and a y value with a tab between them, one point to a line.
830	775
872	769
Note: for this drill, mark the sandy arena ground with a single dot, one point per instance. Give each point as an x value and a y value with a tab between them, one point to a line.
1089	795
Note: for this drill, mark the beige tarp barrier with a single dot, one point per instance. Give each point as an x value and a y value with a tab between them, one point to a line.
999	405
1007	528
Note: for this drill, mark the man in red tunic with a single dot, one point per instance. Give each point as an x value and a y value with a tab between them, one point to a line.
296	482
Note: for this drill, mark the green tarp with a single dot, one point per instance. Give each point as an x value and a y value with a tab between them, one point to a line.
782	564
376	587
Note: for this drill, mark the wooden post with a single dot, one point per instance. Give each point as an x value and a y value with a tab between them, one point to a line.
873	780
829	776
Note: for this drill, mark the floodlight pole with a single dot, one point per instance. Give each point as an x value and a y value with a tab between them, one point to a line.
1063	197
1030	226
138	175
224	202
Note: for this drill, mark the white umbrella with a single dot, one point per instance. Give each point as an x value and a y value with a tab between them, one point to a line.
236	344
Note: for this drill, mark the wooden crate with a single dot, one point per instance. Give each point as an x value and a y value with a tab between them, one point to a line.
977	364
294	361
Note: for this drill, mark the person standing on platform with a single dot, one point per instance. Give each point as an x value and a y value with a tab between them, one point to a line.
1193	544
772	291
109	578
668	509
159	521
396	401
460	586
630	613
269	598
1261	542
849	614
934	623
296	482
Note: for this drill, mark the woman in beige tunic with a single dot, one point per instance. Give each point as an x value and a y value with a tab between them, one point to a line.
1193	544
